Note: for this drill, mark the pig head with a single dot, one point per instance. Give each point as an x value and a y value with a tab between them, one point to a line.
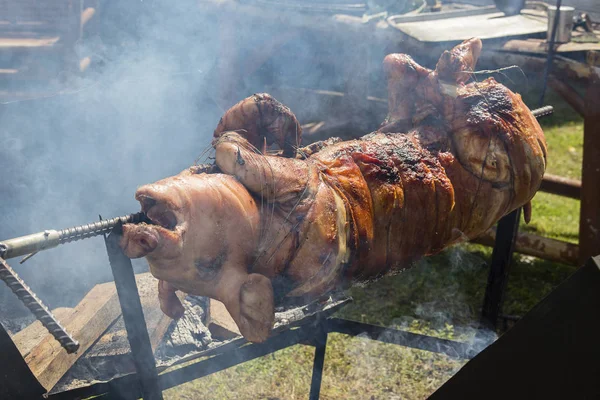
204	233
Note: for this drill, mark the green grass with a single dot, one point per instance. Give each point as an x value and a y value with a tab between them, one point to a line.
554	216
440	296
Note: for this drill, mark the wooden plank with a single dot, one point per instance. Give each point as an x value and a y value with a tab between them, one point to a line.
540	46
114	341
32	335
403	18
12	43
110	356
537	246
485	26
90	318
561	186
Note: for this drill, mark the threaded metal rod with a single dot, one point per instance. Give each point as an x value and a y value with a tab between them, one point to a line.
97	228
543	111
35	305
51	238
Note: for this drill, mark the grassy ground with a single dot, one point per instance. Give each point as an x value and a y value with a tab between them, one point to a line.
441	296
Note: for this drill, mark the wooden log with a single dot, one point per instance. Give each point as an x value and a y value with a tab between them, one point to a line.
90	318
561	186
32	335
568	93
537	246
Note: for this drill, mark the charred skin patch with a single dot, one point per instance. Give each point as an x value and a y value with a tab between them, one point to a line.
487	101
208	270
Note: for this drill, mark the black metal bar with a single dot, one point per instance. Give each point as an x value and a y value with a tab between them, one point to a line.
128	383
320	342
550	51
504	245
16	379
238	356
506	236
133	317
589	214
127	387
402	338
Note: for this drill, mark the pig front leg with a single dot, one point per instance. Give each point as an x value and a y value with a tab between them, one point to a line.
169	302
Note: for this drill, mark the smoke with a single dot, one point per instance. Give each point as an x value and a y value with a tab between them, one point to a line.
144	111
439	297
78	145
81	147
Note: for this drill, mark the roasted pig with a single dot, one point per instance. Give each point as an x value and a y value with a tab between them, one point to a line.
451	158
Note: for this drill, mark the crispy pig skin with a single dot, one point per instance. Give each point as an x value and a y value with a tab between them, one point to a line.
449	161
257	229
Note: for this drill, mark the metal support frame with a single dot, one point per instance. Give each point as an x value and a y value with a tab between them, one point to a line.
133	317
148	384
506	236
18	382
589	217
320	343
314	333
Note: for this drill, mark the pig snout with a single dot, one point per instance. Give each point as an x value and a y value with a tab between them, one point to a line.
138	240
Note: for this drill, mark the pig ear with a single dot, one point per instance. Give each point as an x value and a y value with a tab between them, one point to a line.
275	178
257	312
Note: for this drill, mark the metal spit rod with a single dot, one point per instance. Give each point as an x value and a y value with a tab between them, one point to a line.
31	244
542	111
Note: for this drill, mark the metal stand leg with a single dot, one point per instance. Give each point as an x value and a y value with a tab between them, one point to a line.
16	379
506	236
318	363
589	219
133	316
